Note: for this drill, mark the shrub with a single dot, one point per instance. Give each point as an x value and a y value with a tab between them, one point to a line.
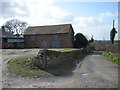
80	41
114	48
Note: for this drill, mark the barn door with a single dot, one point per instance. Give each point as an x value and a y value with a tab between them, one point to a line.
44	44
55	44
55	41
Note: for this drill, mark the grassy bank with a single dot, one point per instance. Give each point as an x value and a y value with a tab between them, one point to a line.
68	49
24	66
112	57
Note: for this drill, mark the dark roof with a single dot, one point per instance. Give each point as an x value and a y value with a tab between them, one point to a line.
4	34
50	29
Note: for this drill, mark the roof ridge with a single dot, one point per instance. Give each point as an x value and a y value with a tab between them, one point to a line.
50	29
48	25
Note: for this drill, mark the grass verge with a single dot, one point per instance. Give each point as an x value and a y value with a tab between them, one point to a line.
68	49
24	66
112	57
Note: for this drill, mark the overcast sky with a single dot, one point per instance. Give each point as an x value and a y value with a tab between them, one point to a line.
89	18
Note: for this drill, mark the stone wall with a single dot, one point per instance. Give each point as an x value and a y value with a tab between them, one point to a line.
48	58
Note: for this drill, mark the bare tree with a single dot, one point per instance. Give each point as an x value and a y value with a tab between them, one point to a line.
15	26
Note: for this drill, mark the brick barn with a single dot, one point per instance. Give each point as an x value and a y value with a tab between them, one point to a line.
52	36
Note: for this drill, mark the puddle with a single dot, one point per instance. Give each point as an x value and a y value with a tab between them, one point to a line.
85	74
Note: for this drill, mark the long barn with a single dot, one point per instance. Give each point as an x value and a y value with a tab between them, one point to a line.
52	36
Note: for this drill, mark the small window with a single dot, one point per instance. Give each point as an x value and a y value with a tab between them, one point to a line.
33	38
15	40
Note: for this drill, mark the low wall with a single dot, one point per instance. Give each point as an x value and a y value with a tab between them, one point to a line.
48	58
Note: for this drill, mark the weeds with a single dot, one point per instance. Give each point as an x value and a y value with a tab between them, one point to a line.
24	66
112	57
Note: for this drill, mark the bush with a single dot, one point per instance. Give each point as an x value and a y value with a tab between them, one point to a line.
80	41
114	48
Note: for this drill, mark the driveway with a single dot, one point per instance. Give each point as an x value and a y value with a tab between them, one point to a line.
93	71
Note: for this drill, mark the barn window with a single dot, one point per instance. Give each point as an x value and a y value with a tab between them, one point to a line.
33	38
15	40
55	42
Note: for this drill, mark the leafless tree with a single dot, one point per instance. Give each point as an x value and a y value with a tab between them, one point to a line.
15	26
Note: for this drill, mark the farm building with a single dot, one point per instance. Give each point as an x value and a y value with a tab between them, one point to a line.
52	36
11	41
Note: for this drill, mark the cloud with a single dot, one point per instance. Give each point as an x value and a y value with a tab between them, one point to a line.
44	12
96	26
108	14
35	12
13	9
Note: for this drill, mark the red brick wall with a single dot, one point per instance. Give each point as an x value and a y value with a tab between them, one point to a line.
6	45
65	40
12	45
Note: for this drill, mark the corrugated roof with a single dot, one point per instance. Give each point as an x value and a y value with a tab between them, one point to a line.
4	34
51	29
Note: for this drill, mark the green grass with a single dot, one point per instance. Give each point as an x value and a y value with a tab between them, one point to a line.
68	49
23	66
112	57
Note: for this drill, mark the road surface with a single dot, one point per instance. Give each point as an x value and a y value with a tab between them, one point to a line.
93	71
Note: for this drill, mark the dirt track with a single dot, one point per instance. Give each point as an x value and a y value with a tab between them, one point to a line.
92	72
